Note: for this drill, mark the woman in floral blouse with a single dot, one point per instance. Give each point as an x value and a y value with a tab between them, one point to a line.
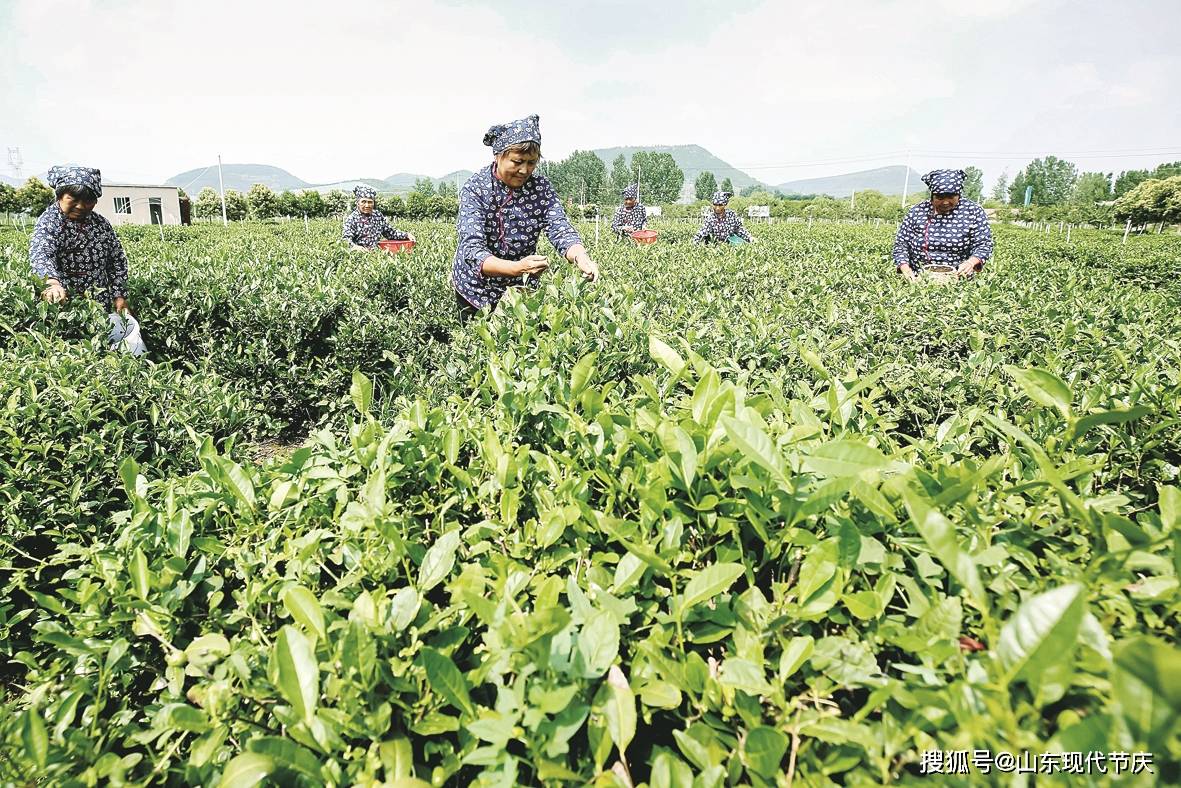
630	216
945	230
366	225
503	208
720	224
75	249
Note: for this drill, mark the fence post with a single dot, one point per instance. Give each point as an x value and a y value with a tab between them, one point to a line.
1127	229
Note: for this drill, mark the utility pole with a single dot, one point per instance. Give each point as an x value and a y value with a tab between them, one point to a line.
16	163
222	185
906	183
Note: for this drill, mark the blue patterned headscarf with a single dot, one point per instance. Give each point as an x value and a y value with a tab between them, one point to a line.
945	181
720	197
363	192
523	130
631	192
88	177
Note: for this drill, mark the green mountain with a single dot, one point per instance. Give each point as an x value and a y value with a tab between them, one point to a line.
887	180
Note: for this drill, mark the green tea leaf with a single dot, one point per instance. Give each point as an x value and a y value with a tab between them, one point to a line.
246	770
446	679
763	750
1169	502
298	671
305	608
581	373
1156	664
665	355
708	583
940	536
361	392
1043	387
844	458
598	644
754	444
438	561
34	737
1043	632
620	710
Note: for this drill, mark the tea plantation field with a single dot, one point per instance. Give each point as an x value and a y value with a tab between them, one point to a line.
755	516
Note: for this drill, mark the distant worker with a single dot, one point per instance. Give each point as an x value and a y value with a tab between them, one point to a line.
74	248
946	231
366	225
630	216
503	208
720	224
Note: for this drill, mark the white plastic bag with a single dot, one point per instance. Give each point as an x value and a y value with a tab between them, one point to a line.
125	335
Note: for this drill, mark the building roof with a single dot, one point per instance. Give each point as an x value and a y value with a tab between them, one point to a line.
138	186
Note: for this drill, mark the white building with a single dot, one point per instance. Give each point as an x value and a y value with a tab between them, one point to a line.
127	203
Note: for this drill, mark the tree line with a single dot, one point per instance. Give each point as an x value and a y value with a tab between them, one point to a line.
1057	191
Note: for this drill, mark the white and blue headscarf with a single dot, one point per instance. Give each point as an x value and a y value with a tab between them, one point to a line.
945	181
88	177
720	197
363	192
631	192
523	130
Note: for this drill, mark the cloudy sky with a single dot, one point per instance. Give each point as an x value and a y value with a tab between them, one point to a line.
784	90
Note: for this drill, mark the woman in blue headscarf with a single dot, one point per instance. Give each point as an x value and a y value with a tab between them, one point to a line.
366	225
720	223
946	230
630	216
503	209
75	249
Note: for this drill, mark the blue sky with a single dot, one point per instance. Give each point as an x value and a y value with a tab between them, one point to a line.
784	90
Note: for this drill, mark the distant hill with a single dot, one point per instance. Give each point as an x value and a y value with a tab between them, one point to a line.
237	176
887	180
692	159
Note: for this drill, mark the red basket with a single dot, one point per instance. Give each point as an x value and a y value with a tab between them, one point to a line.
393	247
645	236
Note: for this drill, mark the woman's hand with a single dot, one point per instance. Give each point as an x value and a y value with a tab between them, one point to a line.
54	293
970	266
578	255
533	264
589	268
410	238
121	305
908	272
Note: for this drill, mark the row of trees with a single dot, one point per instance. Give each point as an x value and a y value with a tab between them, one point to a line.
1055	181
582	177
30	198
261	202
1151	201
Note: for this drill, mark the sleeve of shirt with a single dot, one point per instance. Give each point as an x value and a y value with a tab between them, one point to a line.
617	221
906	230
470	226
702	234
740	229
981	236
388	231
117	260
643	217
348	231
557	225
43	250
